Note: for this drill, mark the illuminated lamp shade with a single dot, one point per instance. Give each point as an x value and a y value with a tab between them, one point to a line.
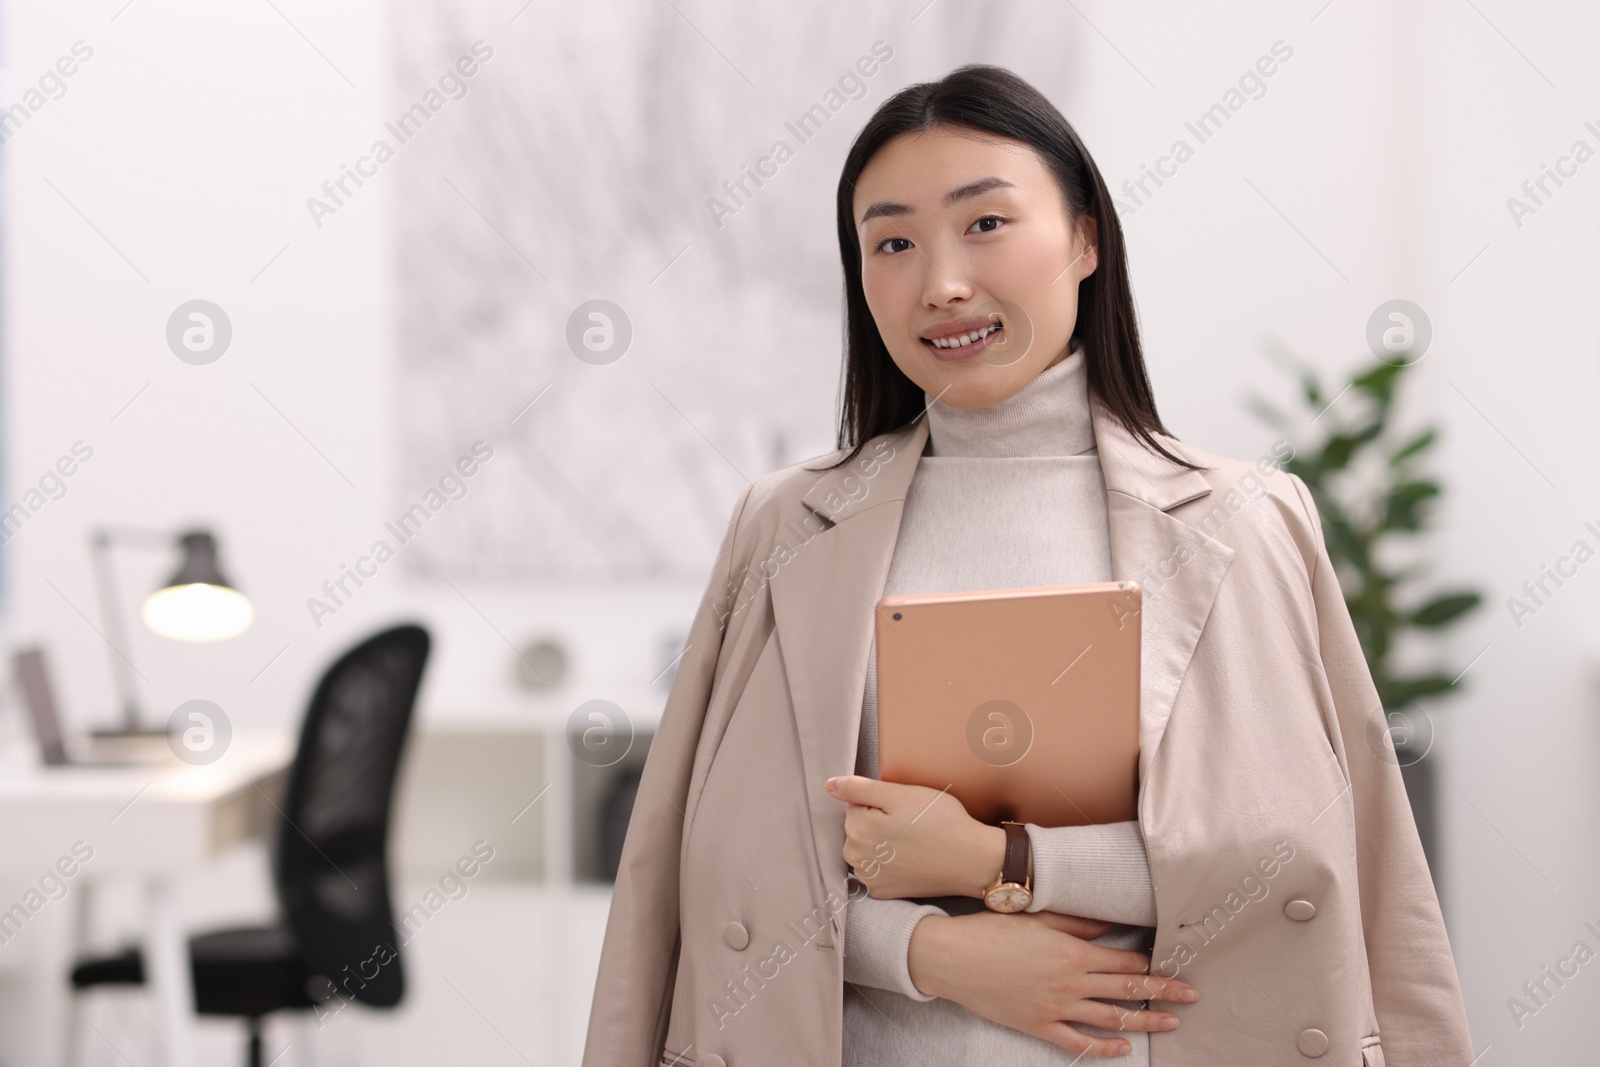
198	604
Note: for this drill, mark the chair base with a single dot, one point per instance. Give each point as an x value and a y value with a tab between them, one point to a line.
243	972
247	972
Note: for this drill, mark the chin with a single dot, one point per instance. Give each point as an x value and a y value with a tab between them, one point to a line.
969	383
971	394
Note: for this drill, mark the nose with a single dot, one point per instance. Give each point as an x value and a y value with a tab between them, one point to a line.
944	276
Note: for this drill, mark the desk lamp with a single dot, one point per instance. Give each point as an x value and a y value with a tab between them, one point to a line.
196	604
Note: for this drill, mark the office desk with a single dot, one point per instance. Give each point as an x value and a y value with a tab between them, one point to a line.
154	823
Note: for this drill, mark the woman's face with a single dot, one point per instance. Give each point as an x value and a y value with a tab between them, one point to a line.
962	231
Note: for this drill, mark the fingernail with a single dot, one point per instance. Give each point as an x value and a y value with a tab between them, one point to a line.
1169	1023
1188	994
831	782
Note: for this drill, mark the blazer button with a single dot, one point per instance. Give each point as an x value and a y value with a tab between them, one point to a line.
1312	1043
737	937
1299	910
713	1060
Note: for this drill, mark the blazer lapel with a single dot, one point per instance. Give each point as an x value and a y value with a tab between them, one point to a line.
825	594
823	601
1178	567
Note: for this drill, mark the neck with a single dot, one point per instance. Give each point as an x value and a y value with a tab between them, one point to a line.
1047	417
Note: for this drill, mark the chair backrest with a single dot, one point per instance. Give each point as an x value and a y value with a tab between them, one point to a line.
332	842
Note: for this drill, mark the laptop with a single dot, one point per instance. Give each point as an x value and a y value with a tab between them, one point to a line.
1023	703
33	677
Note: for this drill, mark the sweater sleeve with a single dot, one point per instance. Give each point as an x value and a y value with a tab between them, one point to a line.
877	938
1096	871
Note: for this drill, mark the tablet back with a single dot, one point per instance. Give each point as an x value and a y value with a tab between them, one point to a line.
1024	703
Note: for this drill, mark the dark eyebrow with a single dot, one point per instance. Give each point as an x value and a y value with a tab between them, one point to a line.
889	208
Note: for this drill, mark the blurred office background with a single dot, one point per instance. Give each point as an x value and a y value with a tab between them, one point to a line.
389	331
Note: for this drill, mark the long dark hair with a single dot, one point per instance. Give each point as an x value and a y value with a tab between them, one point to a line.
878	397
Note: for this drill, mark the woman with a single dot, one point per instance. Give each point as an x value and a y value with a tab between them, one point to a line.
998	430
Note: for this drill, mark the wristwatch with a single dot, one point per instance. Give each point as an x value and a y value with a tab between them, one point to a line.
1012	891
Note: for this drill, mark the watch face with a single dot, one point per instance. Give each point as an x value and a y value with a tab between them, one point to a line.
1008	898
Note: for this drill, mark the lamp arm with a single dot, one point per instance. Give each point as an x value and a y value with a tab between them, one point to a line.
101	540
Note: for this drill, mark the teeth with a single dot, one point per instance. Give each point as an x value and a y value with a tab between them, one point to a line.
966	338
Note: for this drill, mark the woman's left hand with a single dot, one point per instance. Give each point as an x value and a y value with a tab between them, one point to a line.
912	841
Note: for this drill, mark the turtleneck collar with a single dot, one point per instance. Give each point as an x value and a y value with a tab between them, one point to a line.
1048	417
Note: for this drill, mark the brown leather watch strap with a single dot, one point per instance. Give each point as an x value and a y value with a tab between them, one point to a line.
1015	866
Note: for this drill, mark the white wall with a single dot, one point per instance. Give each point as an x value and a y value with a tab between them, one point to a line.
190	141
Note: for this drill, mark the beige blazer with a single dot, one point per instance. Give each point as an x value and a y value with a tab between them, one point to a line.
1290	885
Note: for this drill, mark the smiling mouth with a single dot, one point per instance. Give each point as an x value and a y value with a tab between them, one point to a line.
965	340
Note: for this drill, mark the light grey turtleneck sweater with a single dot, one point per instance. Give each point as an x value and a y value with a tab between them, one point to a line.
1004	496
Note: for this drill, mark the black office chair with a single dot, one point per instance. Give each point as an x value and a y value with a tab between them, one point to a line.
336	936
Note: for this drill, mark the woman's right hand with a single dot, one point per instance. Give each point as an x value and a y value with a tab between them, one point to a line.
1037	972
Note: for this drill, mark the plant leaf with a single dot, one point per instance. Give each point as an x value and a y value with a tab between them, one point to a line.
1402	507
1445	609
1412	447
1337	450
1379	382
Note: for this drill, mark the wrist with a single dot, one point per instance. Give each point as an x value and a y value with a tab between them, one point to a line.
986	857
929	949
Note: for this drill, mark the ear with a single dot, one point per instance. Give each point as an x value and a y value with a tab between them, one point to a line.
1089	236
